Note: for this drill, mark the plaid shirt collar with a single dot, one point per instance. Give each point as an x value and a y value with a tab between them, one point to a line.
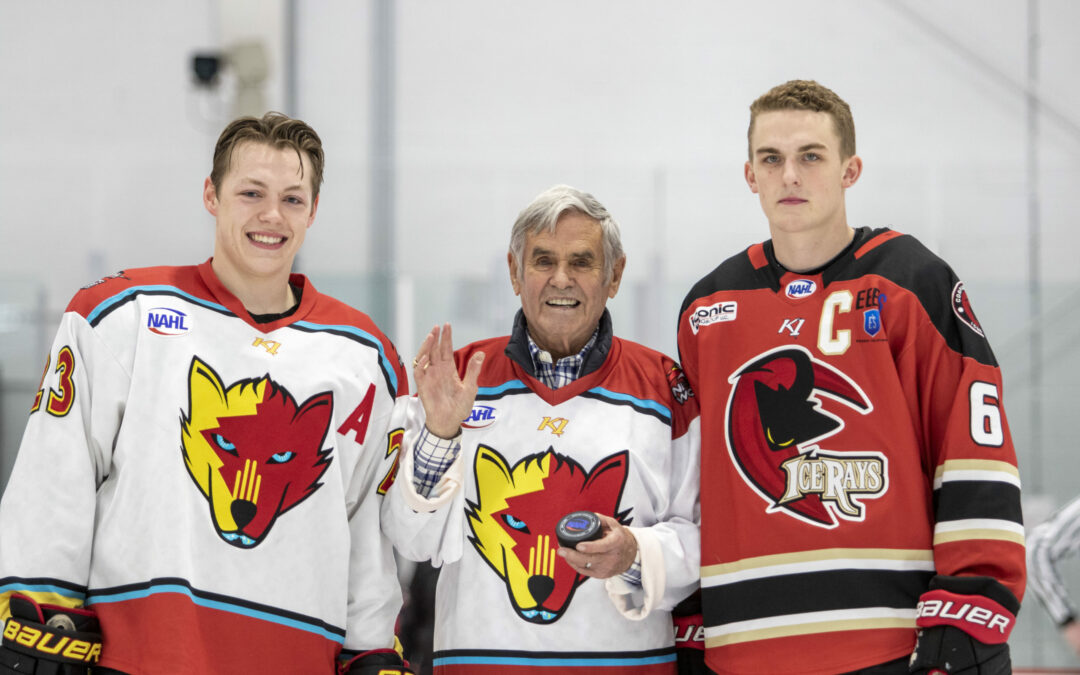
565	370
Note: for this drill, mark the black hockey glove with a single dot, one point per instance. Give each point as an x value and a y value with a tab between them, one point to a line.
964	623
376	662
48	640
944	649
689	636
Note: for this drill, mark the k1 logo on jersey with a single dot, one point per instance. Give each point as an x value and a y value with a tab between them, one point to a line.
776	417
715	313
167	321
800	288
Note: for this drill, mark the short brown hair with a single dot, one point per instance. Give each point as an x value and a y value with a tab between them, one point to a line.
807	95
276	130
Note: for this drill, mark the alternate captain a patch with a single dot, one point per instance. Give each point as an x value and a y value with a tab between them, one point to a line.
251	450
513	522
775	420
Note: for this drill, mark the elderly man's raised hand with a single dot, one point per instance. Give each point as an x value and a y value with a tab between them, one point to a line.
446	398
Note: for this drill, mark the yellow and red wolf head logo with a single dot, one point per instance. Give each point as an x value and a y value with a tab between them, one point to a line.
513	522
251	450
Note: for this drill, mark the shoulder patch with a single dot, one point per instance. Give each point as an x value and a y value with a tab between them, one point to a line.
962	308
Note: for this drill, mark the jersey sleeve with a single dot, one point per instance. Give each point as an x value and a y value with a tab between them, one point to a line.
48	509
374	592
969	457
1048	544
422	528
670	549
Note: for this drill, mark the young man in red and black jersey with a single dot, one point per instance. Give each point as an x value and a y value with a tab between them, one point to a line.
862	512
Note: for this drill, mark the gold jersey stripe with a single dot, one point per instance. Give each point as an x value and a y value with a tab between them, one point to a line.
976	534
900	554
976	465
809	629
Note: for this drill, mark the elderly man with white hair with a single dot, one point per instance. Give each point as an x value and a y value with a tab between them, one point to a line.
511	434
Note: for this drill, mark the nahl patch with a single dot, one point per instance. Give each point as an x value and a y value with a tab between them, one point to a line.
167	321
48	645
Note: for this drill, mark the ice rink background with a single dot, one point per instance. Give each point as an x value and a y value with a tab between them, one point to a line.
443	119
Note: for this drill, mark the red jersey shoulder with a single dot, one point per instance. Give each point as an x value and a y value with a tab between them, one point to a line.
649	374
185	278
330	311
497	367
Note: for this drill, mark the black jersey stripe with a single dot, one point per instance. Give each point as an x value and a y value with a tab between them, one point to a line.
212	600
551	659
968	499
813	592
637	406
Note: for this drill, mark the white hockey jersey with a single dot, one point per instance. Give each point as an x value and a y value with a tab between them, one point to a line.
209	485
621	440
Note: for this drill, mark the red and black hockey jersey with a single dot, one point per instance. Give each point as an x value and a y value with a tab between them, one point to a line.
854	447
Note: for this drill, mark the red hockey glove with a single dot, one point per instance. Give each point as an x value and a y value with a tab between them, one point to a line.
49	640
376	662
964	624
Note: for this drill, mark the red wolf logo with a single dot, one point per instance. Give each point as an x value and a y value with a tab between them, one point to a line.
251	450
513	522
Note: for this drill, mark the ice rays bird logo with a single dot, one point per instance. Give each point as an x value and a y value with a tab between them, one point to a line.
513	522
775	420
251	450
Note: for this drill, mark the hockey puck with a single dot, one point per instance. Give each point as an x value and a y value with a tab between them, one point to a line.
577	527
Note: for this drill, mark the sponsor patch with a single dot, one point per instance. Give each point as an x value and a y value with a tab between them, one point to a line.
715	313
800	288
793	326
871	323
271	346
168	322
557	425
962	308
481	416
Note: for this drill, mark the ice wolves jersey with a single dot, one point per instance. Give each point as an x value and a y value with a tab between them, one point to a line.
209	485
854	445
620	440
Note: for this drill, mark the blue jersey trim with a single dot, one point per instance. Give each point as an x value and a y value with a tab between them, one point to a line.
128	294
43	588
364	336
632	400
219	605
107	305
512	385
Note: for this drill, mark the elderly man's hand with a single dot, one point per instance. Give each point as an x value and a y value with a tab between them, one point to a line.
447	400
611	554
